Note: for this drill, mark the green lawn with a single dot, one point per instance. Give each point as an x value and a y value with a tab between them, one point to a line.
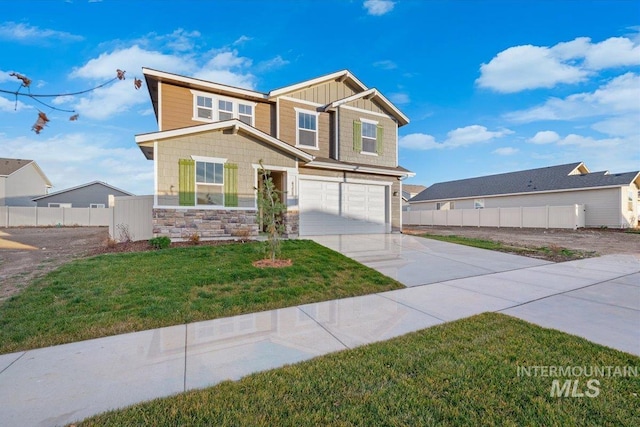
463	373
552	253
117	293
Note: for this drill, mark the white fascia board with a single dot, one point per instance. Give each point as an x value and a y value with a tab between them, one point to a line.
318	80
364	169
207	85
226	124
41	172
56	193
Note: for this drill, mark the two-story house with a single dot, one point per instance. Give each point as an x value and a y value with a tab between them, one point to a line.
330	143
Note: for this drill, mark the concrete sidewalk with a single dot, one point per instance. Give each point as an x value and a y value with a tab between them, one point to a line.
598	299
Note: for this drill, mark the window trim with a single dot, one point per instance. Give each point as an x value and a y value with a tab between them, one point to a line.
478	203
59	205
215	107
215	160
375	139
317	130
96	205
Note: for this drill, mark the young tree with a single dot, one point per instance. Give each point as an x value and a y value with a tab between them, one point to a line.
271	211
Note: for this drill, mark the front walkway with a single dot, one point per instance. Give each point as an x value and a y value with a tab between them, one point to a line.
598	298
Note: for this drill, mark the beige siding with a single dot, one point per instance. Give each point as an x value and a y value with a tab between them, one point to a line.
347	153
240	149
23	185
176	107
177	110
603	206
288	126
396	201
325	93
367	104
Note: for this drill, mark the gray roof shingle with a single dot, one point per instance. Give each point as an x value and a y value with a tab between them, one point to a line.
9	166
528	181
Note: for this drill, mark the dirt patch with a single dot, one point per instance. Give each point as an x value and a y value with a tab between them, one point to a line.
602	241
30	252
52	248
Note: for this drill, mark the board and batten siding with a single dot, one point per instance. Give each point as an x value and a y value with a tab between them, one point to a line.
177	109
324	93
240	149
602	205
348	154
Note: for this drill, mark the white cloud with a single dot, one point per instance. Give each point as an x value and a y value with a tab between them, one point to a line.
180	40
590	142
272	64
378	7
34	35
527	67
460	137
241	40
615	98
81	158
385	64
545	137
473	134
505	151
399	98
9	106
227	67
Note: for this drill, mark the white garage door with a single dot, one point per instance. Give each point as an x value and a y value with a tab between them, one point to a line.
341	208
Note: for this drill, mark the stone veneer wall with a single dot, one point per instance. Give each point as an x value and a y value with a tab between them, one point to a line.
291	224
182	223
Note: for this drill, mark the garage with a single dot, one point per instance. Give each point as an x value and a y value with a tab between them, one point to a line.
332	207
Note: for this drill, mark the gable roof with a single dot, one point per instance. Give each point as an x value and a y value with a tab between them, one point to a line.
82	186
373	94
552	178
343	75
10	166
234	124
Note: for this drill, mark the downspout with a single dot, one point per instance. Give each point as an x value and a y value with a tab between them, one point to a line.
337	148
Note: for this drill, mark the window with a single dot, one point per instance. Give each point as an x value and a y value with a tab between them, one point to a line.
307	129
245	113
443	206
59	205
96	205
369	135
225	110
209	181
204	107
478	204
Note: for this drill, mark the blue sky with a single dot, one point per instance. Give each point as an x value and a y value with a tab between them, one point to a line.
489	86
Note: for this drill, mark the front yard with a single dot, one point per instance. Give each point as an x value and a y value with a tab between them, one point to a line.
463	373
125	292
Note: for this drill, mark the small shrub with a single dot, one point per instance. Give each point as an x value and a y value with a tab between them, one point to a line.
160	242
194	238
110	242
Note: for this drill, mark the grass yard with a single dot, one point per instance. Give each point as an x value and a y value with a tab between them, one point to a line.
551	252
463	373
118	293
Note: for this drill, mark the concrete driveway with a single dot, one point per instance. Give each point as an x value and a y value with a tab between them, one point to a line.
595	298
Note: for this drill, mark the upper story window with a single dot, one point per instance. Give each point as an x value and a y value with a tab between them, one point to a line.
245	113
209	107
204	107
369	137
307	129
225	110
478	204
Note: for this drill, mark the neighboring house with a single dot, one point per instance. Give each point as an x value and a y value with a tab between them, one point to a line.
330	144
610	199
91	195
21	181
409	191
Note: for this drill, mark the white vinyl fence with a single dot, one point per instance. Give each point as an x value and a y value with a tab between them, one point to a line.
132	218
32	216
572	216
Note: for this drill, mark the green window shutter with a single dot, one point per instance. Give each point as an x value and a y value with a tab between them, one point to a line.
231	184
379	140
357	136
187	182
